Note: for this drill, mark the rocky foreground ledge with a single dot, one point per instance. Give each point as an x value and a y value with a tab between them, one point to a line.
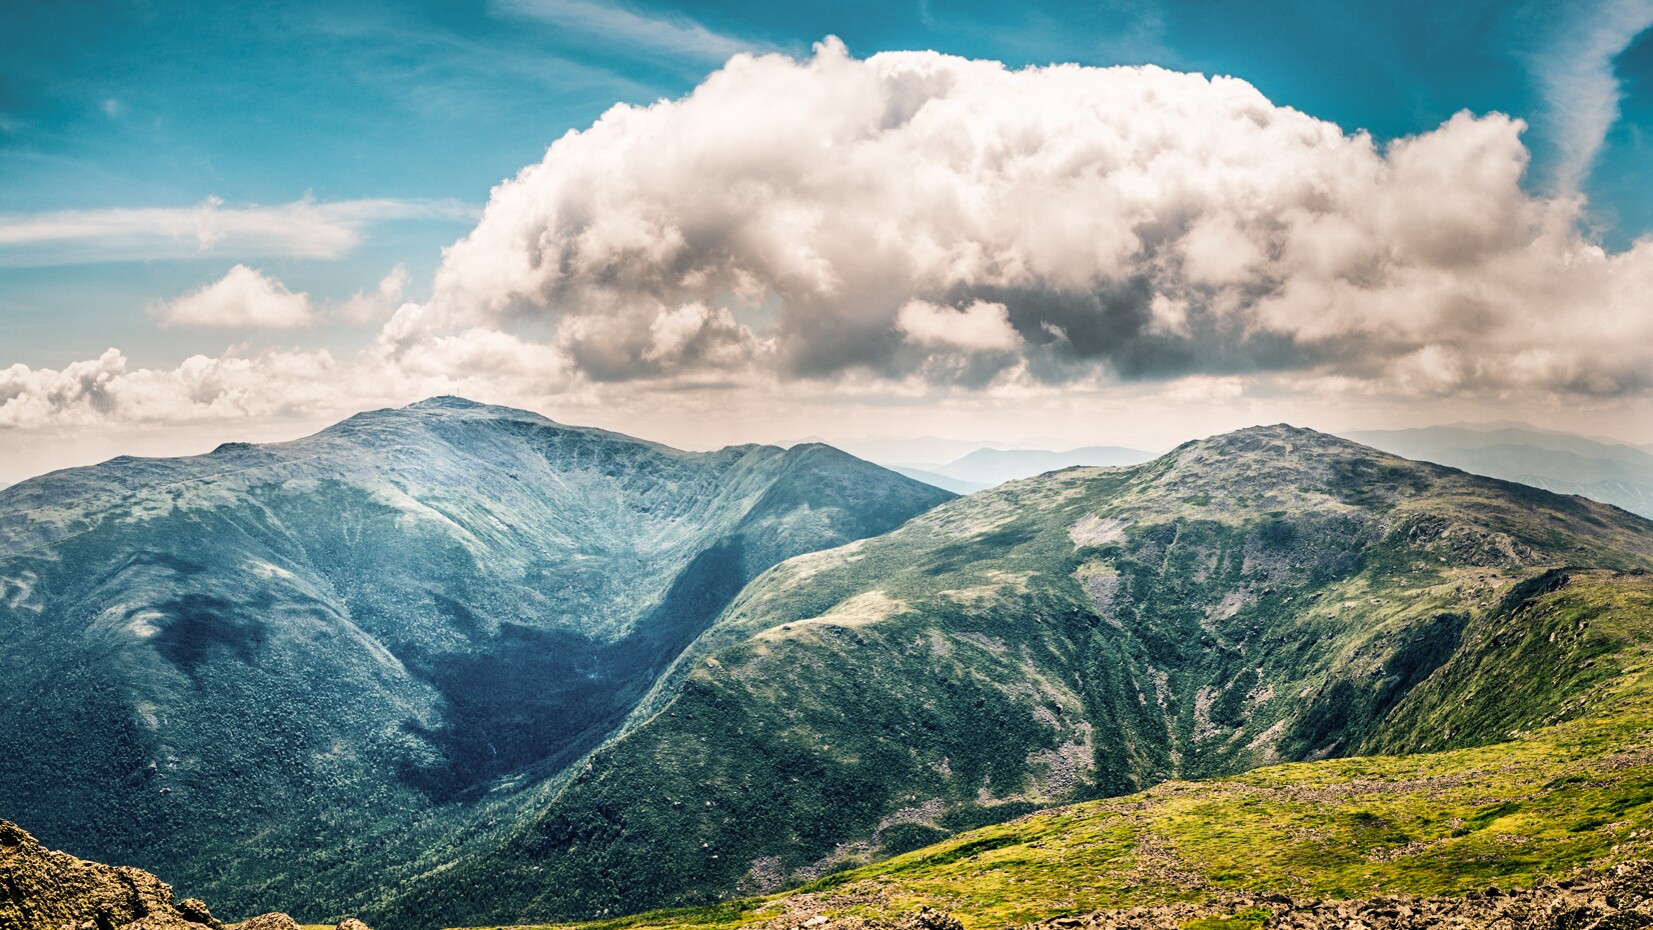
45	890
1620	898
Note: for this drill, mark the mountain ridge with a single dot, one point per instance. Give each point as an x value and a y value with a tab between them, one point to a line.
482	591
1612	472
1547	828
1261	596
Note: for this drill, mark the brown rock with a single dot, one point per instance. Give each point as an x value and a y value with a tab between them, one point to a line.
195	911
928	918
45	890
271	921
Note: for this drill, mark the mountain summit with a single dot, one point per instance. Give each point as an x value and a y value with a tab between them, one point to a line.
369	632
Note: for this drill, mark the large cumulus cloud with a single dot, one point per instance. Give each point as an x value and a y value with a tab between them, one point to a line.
915	223
1137	221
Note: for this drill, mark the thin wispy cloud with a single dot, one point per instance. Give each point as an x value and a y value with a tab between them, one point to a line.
676	36
439	73
302	229
377	305
1580	89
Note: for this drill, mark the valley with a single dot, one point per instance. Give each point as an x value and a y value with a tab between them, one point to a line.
1573	796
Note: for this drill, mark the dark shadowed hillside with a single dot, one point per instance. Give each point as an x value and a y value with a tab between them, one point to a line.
288	665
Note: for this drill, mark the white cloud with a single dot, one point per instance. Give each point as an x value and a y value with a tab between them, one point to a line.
378	305
1134	221
303	229
111	390
980	327
242	299
915	226
1580	89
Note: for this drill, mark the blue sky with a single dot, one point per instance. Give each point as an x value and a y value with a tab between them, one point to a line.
423	107
139	103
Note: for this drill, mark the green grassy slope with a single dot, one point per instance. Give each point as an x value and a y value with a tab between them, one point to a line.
1270	595
1567	662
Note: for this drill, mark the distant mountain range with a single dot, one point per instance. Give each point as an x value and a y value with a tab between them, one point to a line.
985	468
1614	473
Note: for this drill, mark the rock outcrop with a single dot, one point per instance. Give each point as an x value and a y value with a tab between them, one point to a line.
1621	897
41	889
269	922
45	890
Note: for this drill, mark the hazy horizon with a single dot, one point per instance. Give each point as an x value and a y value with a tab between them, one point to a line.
891	449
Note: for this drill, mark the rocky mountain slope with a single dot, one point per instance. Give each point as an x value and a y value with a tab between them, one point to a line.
45	890
1549	828
1269	595
290	666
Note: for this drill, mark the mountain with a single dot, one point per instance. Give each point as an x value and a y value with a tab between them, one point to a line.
453	665
917	451
1547	825
301	665
937	479
1266	596
985	468
1613	473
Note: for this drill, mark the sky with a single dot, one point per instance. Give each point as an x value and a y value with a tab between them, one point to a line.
1120	221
